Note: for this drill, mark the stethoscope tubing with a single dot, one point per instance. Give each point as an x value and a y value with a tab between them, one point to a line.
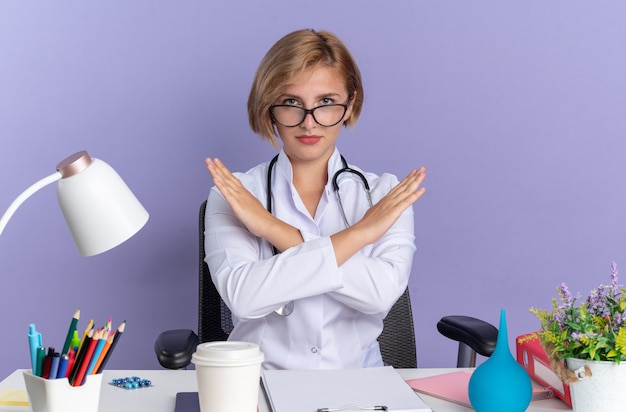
287	309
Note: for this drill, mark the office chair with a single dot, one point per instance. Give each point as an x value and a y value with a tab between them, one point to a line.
174	348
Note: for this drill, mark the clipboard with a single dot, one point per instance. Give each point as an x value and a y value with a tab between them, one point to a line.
313	390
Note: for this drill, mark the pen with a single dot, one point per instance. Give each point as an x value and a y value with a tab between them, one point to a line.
352	407
63	364
54	366
41	354
34	341
47	362
70	332
70	362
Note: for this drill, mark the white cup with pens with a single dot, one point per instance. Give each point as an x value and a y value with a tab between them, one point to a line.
228	375
69	380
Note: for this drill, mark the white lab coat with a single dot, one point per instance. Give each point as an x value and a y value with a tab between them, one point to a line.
338	311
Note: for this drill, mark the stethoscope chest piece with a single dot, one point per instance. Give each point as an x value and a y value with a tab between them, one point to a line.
285	310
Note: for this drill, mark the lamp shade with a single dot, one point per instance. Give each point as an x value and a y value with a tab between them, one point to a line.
99	208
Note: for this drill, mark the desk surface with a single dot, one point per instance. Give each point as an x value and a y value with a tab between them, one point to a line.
161	397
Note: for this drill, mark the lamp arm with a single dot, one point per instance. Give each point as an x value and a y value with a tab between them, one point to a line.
25	195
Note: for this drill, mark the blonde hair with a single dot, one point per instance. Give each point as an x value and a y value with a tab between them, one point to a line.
293	54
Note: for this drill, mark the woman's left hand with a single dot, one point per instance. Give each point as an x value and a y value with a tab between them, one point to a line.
380	217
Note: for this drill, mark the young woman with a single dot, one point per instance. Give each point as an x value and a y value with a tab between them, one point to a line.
309	272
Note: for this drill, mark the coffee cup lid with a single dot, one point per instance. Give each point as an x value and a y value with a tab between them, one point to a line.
222	353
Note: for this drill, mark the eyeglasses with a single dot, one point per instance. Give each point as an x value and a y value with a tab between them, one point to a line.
291	116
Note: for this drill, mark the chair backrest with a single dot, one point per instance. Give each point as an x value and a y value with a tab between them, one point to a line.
397	340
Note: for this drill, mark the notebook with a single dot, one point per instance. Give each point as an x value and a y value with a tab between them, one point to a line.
452	387
313	390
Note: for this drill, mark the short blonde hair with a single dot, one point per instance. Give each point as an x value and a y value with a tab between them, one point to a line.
290	56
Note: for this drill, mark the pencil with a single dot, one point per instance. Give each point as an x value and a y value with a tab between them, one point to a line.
78	360
116	338
104	351
70	332
88	350
96	353
87	329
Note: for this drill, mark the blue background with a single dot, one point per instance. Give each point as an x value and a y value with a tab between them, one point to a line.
515	107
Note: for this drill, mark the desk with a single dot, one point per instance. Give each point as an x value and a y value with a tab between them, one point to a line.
161	397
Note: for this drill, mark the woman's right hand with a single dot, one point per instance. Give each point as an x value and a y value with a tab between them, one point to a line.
249	210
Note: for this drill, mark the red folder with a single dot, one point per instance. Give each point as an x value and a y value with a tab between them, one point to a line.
533	357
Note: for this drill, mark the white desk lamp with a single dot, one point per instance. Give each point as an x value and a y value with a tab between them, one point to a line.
99	208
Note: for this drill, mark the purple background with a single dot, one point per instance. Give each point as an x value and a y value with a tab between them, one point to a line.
516	108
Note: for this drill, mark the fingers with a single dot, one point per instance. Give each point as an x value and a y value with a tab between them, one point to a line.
225	181
409	189
217	168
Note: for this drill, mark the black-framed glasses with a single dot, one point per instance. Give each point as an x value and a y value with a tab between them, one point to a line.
291	116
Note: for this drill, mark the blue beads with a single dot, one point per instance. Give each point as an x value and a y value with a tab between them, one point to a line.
133	382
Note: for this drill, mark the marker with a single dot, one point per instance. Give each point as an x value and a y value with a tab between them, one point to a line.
70	363
63	363
41	354
75	343
34	341
70	332
54	366
47	362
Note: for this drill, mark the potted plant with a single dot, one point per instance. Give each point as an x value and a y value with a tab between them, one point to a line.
586	342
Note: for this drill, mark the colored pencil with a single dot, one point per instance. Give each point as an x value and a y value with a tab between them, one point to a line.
70	332
87	329
103	353
116	338
86	359
96	353
78	361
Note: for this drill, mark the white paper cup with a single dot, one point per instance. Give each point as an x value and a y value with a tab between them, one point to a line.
57	395
228	376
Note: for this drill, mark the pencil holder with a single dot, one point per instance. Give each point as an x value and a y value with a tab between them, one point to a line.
57	395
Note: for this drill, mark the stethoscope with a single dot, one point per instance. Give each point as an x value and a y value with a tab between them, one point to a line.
287	309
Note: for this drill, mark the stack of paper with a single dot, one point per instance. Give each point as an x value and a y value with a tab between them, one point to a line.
313	390
13	397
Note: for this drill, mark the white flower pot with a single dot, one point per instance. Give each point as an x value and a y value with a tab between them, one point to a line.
603	391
